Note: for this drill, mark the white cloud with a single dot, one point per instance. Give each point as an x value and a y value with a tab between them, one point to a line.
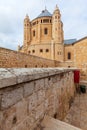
12	13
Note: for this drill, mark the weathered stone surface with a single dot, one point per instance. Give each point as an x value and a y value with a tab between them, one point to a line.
10	77
40	96
6	78
24	104
10	58
21	110
1	120
40	111
9	118
51	124
10	98
24	125
77	115
28	88
32	102
39	84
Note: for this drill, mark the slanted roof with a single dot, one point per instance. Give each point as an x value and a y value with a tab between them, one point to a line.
45	13
69	41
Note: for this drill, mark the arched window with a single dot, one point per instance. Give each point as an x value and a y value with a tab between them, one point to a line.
45	31
41	20
33	33
69	56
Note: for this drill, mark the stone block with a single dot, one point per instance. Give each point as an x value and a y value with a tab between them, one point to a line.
1	120
10	98
7	78
9	118
32	102
40	111
40	96
28	88
21	110
46	83
24	125
39	84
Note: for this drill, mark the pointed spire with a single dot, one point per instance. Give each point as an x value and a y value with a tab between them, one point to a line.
45	7
27	16
56	7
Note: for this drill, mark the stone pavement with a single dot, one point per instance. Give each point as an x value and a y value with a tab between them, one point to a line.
77	115
50	123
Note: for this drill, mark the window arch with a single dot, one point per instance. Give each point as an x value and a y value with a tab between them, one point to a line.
69	55
45	31
33	33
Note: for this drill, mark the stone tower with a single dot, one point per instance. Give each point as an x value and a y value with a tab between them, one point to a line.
57	35
27	31
57	28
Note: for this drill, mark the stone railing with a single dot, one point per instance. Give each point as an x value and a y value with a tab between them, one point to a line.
26	95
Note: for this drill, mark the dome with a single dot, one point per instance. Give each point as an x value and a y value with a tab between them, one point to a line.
45	13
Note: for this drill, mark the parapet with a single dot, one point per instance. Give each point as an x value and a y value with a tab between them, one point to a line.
13	76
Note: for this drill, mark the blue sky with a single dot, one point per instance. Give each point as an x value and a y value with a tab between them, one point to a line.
13	12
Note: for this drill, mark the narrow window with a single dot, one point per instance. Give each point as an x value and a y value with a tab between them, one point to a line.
29	52
55	17
34	33
41	20
69	56
33	51
58	17
25	66
58	53
41	50
35	66
56	29
47	50
45	31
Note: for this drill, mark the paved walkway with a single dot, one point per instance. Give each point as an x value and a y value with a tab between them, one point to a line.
50	123
77	115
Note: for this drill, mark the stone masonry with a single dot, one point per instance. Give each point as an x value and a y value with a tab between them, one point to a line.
27	95
10	58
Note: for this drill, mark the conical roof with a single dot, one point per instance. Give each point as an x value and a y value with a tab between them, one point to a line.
45	13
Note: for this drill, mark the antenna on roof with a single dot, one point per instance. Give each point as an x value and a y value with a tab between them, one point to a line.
45	7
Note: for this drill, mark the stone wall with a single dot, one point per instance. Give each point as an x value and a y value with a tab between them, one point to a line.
10	58
78	52
69	49
26	95
66	64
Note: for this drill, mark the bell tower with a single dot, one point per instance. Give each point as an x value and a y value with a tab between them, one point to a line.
57	27
57	36
27	31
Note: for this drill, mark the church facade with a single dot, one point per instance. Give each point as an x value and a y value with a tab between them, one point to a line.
44	37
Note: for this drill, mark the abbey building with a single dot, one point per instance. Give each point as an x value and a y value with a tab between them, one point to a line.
43	36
